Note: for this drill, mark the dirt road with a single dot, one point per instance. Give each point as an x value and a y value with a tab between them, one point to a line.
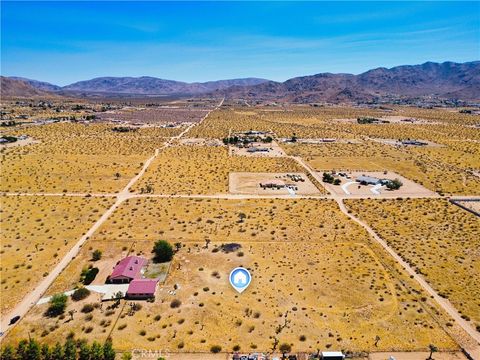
442	302
32	298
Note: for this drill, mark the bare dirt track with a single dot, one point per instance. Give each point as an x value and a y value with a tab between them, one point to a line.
32	298
127	193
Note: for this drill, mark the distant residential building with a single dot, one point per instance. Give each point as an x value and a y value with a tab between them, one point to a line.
257	149
369	180
414	142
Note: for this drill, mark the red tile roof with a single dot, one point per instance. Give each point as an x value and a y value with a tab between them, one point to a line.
129	267
142	286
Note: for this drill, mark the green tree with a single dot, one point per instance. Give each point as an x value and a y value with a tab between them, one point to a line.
84	351
394	184
57	352
46	352
327	178
70	350
7	353
163	251
96	351
127	356
108	352
22	350
33	350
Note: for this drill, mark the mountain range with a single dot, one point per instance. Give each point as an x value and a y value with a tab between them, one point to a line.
442	80
445	80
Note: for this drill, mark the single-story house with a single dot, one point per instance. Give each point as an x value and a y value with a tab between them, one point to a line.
142	289
414	142
127	269
369	180
257	149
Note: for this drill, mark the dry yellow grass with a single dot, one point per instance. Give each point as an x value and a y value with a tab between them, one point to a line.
204	169
440	240
77	158
36	234
310	265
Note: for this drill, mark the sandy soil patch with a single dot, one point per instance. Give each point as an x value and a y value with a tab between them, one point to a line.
249	183
19	143
350	188
263	150
417	355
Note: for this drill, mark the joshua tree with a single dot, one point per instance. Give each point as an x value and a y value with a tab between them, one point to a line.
433	349
377	339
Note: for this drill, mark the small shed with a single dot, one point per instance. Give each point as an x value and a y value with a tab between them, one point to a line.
142	289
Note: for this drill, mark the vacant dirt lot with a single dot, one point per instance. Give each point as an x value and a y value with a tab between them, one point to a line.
249	183
36	233
204	169
273	150
437	238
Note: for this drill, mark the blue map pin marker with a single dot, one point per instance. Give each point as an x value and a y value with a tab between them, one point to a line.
240	278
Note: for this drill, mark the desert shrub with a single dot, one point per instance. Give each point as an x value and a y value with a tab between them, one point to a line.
175	303
285	348
215	349
58	303
87	308
80	294
96	255
88	275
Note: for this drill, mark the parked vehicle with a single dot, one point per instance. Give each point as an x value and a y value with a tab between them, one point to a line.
14	319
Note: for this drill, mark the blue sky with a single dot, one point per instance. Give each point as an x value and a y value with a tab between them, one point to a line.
63	42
